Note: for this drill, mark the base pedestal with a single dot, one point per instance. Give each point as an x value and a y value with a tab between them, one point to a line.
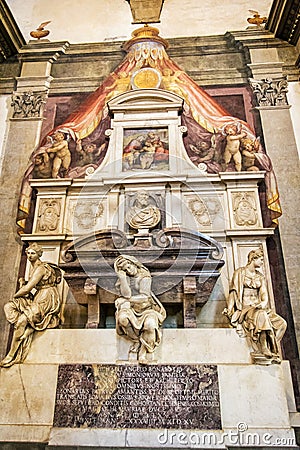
255	402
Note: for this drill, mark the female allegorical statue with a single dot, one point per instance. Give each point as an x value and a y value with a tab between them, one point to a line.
139	313
28	312
248	311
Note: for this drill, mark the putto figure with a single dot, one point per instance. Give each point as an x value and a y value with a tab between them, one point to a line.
33	312
139	313
233	141
248	310
62	154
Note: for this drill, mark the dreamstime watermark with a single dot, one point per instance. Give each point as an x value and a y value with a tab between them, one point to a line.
241	436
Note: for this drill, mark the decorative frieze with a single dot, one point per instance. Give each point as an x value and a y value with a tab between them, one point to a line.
200	211
48	215
28	104
244	209
84	215
269	92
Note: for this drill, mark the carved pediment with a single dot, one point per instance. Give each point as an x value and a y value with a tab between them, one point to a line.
139	98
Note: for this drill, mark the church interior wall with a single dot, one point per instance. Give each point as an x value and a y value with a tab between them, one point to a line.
104	23
221	64
215	62
294	100
4	108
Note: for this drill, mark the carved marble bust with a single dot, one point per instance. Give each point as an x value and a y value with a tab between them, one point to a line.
143	215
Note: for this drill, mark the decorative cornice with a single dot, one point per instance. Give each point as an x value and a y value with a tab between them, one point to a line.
11	38
284	20
42	50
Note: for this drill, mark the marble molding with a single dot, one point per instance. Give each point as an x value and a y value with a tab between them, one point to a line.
249	394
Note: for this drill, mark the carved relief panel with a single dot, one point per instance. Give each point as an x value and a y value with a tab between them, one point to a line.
85	215
48	217
204	212
244	209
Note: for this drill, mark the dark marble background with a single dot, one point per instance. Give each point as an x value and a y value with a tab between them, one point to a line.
132	396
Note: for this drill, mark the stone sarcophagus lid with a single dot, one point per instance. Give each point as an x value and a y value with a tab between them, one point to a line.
184	266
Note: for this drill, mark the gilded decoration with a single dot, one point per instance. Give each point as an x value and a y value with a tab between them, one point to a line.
147	78
40	32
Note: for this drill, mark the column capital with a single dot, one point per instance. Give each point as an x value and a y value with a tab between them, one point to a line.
28	104
269	92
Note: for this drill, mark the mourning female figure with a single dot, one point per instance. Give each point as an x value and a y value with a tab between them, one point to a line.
139	313
33	312
248	310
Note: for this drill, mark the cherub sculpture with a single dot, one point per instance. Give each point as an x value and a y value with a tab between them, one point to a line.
233	134
62	154
249	148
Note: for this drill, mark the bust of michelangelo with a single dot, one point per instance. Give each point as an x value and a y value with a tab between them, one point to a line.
143	215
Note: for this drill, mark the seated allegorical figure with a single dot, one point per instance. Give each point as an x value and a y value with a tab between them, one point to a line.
33	312
249	311
139	313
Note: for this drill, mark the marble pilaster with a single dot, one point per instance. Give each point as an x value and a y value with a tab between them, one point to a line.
23	134
269	91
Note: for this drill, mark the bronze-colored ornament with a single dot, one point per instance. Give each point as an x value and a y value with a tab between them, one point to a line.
256	19
146	78
144	34
40	32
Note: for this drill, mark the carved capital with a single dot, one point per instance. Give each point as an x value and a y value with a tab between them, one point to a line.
269	92
28	104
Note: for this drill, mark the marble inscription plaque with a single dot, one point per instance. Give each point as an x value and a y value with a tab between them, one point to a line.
125	396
